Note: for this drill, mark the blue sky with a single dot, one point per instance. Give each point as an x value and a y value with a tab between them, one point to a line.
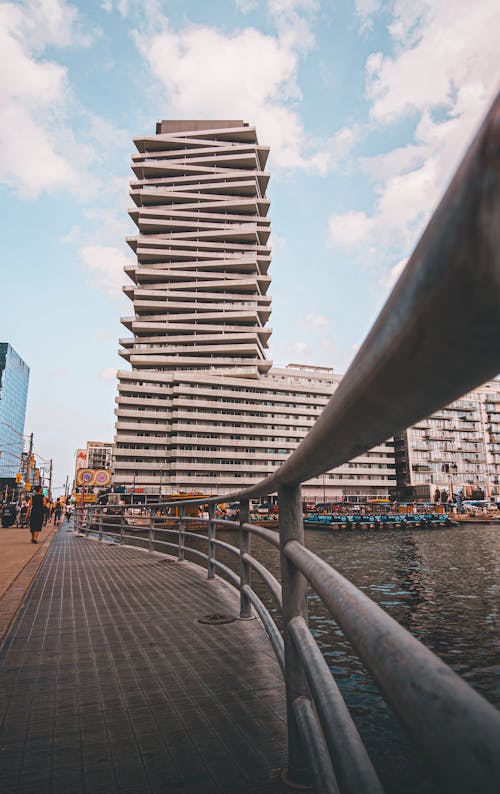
367	106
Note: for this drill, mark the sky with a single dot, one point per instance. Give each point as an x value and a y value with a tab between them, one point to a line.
368	107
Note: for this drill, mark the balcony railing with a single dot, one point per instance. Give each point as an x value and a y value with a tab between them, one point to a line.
436	339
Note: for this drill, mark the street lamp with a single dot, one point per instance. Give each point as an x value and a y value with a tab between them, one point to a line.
451	469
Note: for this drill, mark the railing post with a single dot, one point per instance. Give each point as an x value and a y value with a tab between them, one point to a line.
151	527
122	524
100	523
211	537
245	573
294	587
182	526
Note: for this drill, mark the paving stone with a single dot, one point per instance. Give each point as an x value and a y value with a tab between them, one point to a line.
110	685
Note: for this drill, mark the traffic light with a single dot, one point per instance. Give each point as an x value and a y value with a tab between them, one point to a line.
28	486
19	477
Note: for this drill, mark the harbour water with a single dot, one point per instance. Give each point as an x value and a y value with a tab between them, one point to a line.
443	585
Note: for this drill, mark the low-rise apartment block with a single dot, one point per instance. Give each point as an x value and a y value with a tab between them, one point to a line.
455	452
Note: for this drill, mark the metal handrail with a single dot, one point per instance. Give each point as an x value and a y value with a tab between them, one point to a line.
435	339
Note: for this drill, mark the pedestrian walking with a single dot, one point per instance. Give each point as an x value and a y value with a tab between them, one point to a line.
57	513
37	509
46	510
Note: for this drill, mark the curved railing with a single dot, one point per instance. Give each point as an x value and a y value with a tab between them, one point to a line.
437	337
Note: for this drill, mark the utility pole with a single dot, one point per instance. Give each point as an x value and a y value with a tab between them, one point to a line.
29	461
50	479
66	488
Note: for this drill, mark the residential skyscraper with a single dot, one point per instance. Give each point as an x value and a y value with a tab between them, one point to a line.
14	379
201	406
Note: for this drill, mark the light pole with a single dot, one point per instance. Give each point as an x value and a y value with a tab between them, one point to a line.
451	470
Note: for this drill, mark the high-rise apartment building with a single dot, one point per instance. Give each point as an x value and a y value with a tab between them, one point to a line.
14	379
201	407
455	451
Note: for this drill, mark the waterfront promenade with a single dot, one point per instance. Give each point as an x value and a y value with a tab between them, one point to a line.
110	684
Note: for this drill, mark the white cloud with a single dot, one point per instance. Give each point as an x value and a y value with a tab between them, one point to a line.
108	374
394	273
293	20
246	6
366	10
105	264
246	74
446	57
317	321
54	22
38	150
276	241
443	75
351	229
298	348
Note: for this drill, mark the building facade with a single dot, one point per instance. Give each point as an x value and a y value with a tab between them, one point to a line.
14	380
454	452
93	468
202	407
99	454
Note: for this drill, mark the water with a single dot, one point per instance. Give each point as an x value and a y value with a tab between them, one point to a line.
442	585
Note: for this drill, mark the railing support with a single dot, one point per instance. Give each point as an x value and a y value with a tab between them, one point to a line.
294	587
122	524
151	528
182	527
211	538
245	571
100	524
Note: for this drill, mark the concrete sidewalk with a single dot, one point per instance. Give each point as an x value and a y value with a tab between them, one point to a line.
109	684
19	561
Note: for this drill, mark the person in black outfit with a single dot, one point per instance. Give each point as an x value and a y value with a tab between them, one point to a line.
37	513
57	513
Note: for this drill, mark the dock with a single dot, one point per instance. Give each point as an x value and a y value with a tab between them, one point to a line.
110	683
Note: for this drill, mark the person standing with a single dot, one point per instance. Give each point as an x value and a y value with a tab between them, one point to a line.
37	508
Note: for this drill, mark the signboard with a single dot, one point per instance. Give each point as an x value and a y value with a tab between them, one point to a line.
91	477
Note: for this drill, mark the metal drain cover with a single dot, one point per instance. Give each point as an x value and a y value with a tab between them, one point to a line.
216	619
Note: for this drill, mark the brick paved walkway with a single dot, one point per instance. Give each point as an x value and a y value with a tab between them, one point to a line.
109	683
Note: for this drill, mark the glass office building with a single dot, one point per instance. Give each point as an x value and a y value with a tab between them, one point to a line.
14	378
